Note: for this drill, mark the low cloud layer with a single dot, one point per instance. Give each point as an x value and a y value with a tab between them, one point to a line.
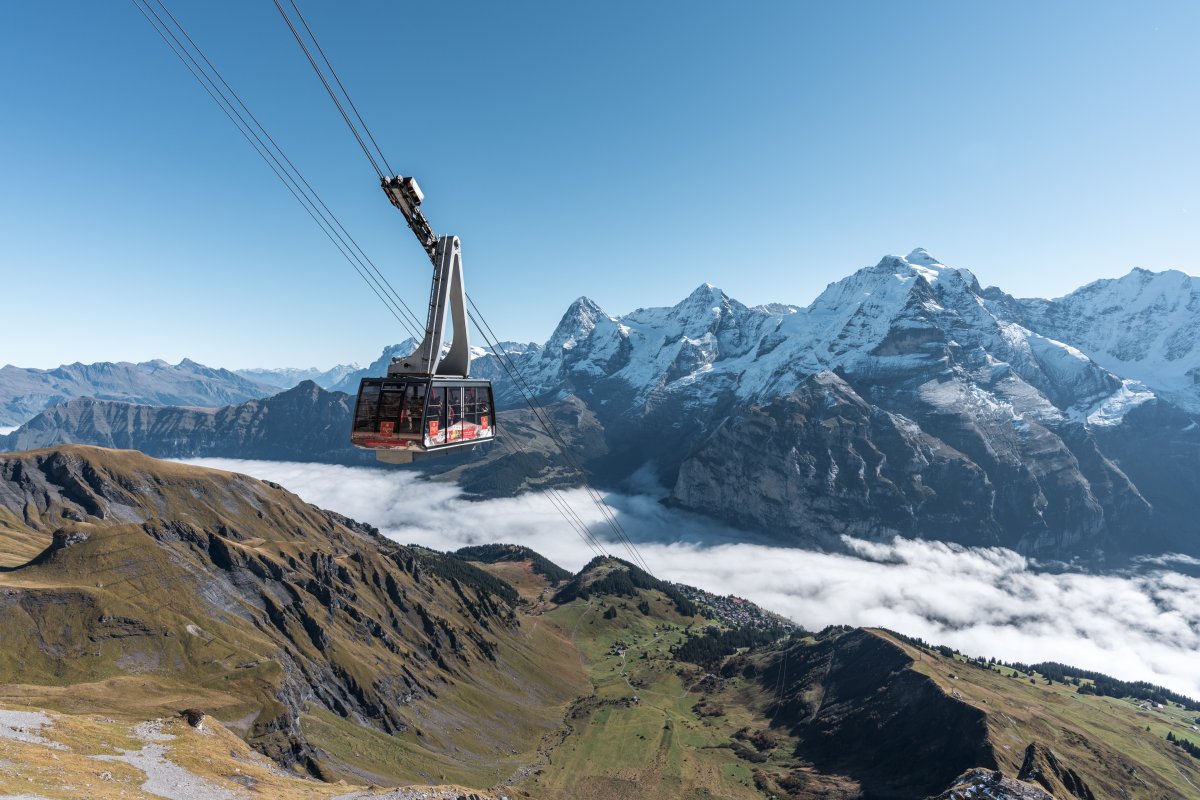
983	601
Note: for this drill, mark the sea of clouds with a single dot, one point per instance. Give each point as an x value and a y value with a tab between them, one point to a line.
1141	624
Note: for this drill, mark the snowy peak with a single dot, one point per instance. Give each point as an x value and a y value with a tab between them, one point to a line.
577	324
1143	326
706	296
906	320
920	256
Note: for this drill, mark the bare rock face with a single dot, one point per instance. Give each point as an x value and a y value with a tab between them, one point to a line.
825	460
856	686
986	784
1044	768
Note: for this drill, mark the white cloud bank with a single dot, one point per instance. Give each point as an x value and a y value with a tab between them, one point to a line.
5	431
986	602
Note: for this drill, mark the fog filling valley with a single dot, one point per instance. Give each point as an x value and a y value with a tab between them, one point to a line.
1135	625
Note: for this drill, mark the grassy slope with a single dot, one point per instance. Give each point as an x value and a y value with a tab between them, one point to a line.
657	746
137	620
1104	739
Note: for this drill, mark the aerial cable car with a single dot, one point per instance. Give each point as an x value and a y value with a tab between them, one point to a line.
427	403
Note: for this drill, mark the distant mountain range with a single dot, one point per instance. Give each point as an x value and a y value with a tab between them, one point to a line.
287	377
25	392
304	423
905	399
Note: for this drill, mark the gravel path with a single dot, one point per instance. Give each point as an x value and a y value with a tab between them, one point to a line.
164	778
23	726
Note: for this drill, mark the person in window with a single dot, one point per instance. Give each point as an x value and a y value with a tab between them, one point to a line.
414	402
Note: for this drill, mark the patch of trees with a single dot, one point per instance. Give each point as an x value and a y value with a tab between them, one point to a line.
623	583
1105	685
1055	672
1185	744
709	648
451	568
496	553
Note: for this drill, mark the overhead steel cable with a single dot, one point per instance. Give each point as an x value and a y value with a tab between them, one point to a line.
222	102
548	423
275	159
301	190
606	512
338	80
556	495
556	436
361	254
329	89
311	201
560	503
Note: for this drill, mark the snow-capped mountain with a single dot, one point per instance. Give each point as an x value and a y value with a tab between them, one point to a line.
488	368
287	377
1144	326
977	418
904	399
909	317
25	392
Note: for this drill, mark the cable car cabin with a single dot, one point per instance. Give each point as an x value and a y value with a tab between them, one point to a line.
404	416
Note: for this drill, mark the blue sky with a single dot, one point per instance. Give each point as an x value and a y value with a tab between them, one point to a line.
627	151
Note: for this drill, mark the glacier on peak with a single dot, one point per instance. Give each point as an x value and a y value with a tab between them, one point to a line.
1142	326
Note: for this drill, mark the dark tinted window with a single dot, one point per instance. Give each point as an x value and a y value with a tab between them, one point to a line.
390	403
366	412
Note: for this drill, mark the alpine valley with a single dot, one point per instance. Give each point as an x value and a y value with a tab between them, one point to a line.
906	399
172	631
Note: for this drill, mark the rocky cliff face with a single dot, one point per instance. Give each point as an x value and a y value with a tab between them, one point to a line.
825	461
305	423
25	392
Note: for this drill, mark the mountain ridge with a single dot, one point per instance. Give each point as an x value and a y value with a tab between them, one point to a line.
26	392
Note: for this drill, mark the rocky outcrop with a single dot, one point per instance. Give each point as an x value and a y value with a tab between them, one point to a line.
987	784
823	460
1044	768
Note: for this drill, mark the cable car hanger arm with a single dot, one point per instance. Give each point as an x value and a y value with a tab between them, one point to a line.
406	195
